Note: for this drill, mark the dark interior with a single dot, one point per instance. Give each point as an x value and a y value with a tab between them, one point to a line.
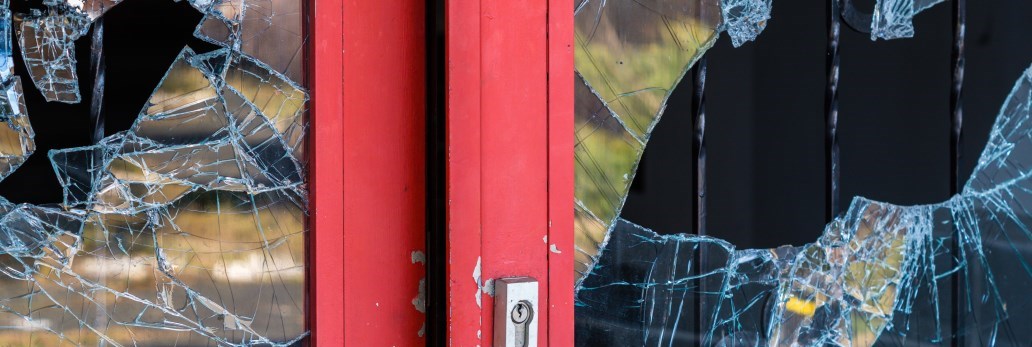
141	39
765	122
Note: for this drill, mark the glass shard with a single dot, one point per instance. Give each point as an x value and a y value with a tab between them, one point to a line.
891	19
744	20
16	135
47	44
92	8
879	274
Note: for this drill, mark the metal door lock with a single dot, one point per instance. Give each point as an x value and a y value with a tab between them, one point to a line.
515	312
522	316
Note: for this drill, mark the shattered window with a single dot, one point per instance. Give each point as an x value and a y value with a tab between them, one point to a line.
879	274
629	57
189	227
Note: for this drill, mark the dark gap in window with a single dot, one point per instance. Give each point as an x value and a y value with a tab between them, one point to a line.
894	116
765	129
660	196
141	40
864	5
27	6
436	233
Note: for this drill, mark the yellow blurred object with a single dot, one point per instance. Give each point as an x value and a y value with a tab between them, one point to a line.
801	307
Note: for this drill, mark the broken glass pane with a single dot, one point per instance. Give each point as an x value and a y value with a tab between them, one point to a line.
629	56
186	229
879	274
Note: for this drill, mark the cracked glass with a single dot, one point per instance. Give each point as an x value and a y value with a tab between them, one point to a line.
186	229
629	56
879	274
889	19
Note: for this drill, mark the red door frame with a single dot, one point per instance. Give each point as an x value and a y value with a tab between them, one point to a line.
326	173
367	172
509	108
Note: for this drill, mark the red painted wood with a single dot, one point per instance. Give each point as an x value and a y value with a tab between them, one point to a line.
326	275
514	140
510	160
560	172
463	181
384	171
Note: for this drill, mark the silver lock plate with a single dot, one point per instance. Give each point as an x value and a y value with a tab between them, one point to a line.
516	312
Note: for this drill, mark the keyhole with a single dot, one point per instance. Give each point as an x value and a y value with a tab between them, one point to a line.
522	312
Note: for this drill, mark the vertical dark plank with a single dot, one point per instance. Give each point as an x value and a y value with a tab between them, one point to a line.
97	69
831	147
956	141
699	185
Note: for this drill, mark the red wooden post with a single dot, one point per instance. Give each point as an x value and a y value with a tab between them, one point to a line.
384	172
560	172
510	164
514	144
367	177
462	184
326	176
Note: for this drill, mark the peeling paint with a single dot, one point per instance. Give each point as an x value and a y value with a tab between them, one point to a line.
554	249
476	278
489	287
420	300
545	239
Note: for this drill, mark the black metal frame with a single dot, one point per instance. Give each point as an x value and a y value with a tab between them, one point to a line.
699	178
831	148
97	68
956	140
